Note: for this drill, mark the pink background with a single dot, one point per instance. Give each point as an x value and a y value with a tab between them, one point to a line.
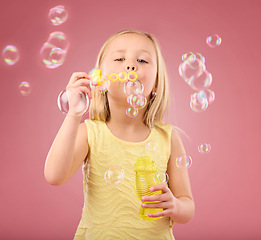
225	182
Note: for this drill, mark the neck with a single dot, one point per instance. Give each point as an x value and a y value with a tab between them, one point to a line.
119	118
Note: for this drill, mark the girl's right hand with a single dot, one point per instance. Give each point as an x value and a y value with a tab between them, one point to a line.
78	85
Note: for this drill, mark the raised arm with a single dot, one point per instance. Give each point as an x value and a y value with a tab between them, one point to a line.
70	146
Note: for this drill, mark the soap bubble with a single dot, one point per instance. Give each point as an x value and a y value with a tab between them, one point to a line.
59	40
199	60
189	57
187	72
198	102
132	112
80	101
204	148
137	101
51	56
184	161
132	88
200	81
114	175
151	146
161	177
10	54
208	94
25	88
213	40
58	15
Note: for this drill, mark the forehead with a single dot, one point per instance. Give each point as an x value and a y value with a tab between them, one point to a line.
131	41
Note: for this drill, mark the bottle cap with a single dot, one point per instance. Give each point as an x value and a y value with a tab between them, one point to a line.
144	163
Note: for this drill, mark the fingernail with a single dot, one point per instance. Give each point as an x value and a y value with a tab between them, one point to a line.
151	189
142	199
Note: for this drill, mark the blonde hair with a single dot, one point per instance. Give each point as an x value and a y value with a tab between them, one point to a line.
157	104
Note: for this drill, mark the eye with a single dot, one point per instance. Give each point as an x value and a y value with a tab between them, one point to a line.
119	59
142	61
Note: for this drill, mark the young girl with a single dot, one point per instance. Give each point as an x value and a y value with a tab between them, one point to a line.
111	138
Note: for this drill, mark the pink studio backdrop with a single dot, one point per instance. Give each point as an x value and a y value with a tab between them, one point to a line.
225	182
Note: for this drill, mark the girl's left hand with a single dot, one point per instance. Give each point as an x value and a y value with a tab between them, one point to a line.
167	202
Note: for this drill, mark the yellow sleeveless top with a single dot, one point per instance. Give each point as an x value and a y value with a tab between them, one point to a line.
111	211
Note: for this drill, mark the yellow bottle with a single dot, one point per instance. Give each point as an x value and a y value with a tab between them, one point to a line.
145	170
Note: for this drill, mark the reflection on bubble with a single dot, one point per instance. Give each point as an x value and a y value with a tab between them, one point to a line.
79	101
161	177
200	81
198	102
10	55
184	161
189	57
25	88
51	56
58	15
133	88
151	146
58	40
207	94
187	72
204	148
114	175
132	112
137	101
213	40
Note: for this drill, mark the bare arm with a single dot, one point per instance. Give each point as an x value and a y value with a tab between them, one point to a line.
176	200
70	146
68	151
179	183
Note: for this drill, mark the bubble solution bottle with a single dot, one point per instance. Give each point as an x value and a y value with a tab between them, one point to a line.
145	170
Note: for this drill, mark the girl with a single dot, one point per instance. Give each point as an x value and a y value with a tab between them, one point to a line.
111	138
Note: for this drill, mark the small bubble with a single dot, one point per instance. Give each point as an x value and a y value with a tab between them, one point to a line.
58	15
161	177
10	55
204	148
152	146
132	112
184	161
213	40
114	175
25	88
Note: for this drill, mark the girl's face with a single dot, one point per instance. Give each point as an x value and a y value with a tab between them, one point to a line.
130	52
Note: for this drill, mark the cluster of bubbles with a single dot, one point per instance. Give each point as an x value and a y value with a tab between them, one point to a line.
133	88
115	174
53	51
193	71
213	40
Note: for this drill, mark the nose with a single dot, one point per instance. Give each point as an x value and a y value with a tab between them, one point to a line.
131	68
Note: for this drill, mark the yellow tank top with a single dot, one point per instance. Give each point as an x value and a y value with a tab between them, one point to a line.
112	211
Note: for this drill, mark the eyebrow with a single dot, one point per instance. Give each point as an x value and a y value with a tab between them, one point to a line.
123	50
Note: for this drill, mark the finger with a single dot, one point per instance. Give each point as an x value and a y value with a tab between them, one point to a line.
156	198
163	187
81	82
163	205
82	89
164	213
78	75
